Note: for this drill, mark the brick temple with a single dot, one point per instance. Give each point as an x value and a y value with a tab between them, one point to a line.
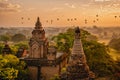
44	61
77	68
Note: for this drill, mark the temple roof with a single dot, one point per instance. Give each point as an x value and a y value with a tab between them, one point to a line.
77	30
38	24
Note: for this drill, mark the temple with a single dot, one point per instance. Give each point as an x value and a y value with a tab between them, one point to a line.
44	61
77	68
38	43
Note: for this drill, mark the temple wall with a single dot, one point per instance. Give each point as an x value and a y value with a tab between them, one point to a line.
49	72
33	72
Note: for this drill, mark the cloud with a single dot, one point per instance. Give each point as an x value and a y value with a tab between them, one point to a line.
56	8
105	4
31	9
3	0
70	5
102	0
6	6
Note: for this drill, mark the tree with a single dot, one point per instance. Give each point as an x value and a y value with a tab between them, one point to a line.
1	47
18	37
114	43
22	44
11	68
5	38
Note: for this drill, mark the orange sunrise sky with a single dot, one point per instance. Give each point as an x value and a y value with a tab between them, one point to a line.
23	13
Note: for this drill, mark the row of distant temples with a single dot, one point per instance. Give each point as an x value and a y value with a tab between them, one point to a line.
45	61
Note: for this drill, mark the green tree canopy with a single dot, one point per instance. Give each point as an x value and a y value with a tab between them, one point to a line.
12	69
5	38
114	43
18	37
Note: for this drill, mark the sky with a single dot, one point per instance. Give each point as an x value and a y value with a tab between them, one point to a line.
59	13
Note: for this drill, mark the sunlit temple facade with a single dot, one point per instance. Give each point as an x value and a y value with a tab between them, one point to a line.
38	43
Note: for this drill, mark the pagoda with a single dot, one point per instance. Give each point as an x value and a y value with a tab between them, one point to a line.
6	49
77	68
43	61
38	43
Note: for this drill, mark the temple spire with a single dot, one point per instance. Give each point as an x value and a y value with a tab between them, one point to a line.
77	68
77	33
38	24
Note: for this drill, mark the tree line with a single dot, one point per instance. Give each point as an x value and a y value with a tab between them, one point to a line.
98	59
15	38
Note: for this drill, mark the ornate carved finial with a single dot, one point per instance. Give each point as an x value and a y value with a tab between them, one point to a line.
77	30
37	18
38	24
77	33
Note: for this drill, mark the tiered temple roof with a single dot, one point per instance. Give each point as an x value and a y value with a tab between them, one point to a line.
77	68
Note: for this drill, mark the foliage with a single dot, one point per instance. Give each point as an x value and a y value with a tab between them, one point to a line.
117	74
56	77
15	47
114	43
96	53
11	68
22	44
1	47
98	60
65	40
8	73
18	37
5	38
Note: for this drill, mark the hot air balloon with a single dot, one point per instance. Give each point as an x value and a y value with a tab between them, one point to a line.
97	19
97	15
46	21
85	21
75	19
94	21
115	16
22	18
68	19
28	18
57	19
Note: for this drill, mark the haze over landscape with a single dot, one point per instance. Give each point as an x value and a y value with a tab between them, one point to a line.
59	39
23	13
